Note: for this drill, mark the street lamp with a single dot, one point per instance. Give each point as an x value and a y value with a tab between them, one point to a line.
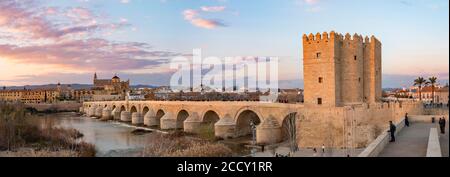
253	128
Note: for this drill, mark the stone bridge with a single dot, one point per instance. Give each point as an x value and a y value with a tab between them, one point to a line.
229	119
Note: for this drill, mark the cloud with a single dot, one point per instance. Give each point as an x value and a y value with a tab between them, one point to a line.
90	54
194	18
16	19
69	37
155	79
311	1
213	8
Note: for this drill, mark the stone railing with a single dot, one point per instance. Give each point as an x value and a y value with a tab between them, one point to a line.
374	148
436	111
426	118
434	147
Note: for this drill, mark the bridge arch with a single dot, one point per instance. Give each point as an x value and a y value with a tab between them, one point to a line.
210	116
159	114
181	117
289	126
133	109
123	108
145	110
243	119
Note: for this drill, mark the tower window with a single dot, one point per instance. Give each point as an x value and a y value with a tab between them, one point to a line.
318	55
319	101
355	57
359	79
320	79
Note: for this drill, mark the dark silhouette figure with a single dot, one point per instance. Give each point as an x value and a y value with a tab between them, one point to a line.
442	123
406	120
392	129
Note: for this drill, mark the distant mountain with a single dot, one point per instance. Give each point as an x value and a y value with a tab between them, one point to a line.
143	86
49	86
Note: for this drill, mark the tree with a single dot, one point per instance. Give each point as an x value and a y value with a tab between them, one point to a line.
419	82
291	131
432	81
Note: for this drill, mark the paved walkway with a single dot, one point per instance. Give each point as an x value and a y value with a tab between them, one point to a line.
410	142
302	152
413	141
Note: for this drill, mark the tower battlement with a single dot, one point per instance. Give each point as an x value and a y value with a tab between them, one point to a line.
327	37
341	69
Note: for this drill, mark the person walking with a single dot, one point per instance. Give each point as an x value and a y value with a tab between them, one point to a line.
315	152
392	130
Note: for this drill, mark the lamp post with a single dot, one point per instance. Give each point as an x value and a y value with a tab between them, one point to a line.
253	129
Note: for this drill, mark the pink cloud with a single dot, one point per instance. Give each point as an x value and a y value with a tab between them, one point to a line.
194	18
72	43
27	21
91	54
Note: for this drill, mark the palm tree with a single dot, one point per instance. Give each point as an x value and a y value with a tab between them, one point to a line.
432	81
420	81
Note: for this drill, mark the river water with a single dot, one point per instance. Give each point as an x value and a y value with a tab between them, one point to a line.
111	139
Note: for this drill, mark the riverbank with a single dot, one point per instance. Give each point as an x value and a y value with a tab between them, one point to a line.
25	135
53	107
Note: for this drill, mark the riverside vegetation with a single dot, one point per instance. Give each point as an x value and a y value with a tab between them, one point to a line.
180	144
23	134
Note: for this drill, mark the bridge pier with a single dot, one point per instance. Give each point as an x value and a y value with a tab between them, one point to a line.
106	114
125	116
150	119
81	110
192	123
86	110
116	114
268	132
136	118
168	121
98	112
91	111
225	128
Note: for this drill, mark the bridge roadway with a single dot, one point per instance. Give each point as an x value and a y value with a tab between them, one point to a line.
413	141
230	119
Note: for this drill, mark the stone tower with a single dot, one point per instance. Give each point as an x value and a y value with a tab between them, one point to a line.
341	70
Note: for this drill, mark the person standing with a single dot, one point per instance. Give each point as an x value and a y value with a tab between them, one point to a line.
323	148
392	130
442	123
406	120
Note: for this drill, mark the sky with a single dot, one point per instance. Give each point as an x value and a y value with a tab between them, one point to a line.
50	41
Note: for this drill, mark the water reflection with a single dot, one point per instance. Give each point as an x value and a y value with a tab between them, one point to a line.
113	139
110	139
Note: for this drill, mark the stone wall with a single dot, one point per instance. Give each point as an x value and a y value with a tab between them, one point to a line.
56	107
361	123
